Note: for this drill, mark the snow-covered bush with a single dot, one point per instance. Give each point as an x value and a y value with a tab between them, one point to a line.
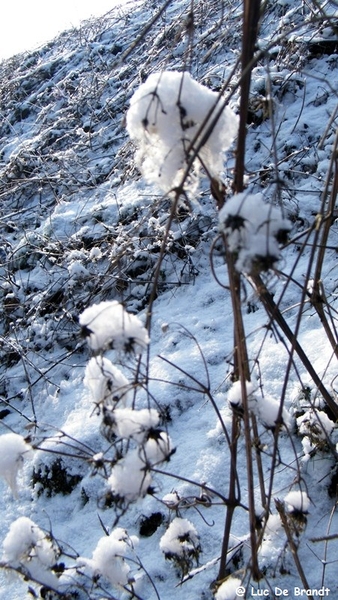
169	116
254	231
181	544
13	448
135	433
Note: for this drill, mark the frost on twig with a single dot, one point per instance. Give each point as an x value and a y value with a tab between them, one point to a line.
168	117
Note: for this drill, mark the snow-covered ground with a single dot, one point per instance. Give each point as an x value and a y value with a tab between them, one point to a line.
81	227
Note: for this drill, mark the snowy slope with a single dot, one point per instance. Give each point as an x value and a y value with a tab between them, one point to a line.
78	226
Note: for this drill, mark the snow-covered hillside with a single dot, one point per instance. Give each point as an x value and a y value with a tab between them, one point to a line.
116	481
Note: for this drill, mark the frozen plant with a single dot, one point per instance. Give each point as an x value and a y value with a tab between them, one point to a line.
109	325
228	589
316	428
106	382
29	548
169	116
109	558
180	544
254	231
13	447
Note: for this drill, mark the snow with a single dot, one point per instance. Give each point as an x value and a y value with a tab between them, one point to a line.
106	382
252	229
168	117
180	539
108	557
137	417
28	546
107	324
228	589
13	449
297	501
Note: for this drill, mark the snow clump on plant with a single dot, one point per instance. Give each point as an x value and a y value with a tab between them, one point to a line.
265	408
106	383
297	502
180	543
254	231
130	477
27	546
12	450
108	324
169	116
109	557
228	589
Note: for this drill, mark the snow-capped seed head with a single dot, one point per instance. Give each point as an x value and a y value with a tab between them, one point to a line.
106	382
130	479
297	502
254	230
165	115
13	448
180	539
109	555
108	324
29	546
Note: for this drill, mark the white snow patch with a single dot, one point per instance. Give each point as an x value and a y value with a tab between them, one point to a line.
12	450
